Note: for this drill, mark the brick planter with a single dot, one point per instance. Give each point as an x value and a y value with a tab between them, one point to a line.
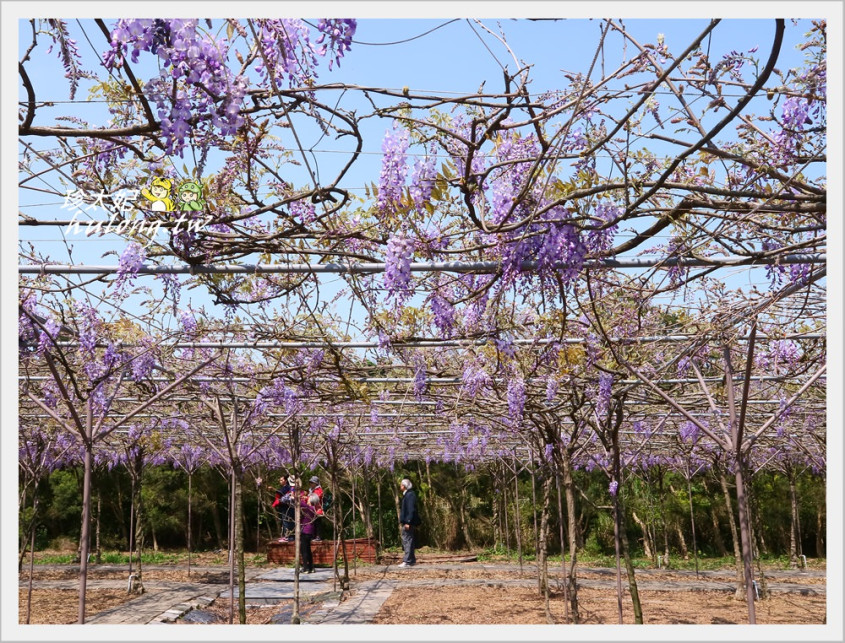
364	549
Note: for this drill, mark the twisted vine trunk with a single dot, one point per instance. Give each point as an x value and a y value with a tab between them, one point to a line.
692	524
740	575
190	495
239	548
569	489
137	584
31	557
542	551
629	568
794	539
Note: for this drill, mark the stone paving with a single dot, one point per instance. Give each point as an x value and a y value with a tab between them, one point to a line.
167	601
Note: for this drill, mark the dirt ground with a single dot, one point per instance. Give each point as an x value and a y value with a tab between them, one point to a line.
61	606
523	606
464	604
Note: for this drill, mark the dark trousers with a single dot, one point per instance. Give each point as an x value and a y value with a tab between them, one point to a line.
408	545
306	559
288	524
286	517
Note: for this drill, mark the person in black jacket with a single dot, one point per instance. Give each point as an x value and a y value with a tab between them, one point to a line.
409	520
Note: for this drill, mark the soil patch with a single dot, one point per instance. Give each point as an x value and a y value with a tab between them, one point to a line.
516	605
220	576
61	606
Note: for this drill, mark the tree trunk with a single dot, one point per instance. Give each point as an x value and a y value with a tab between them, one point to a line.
218	524
517	518
239	547
745	538
505	510
367	512
231	545
793	523
117	506
629	567
682	541
740	576
137	585
562	536
297	521
354	543
569	492
190	489
497	515
757	528
132	519
463	518
542	551
692	522
153	535
718	542
534	512
762	585
98	556
86	518
820	551
621	529
662	495
31	553
380	521
648	550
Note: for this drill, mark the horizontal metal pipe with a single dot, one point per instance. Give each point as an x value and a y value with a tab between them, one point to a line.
485	267
435	380
439	343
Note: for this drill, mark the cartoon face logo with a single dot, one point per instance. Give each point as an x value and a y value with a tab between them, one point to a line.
190	196
158	195
159	191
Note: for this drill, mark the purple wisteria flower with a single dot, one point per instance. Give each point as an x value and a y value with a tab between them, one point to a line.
474	378
397	270
335	38
613	487
392	176
603	400
516	398
689	432
188	321
88	328
143	365
422	180
195	63
68	53
48	335
551	389
600	236
131	261
683	366
444	315
795	112
420	380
